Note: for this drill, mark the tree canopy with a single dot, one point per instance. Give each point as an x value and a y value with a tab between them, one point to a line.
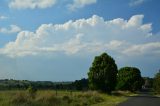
156	83
102	74
129	78
81	84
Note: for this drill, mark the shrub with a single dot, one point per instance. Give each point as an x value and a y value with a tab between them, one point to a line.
48	99
20	97
32	91
67	99
89	98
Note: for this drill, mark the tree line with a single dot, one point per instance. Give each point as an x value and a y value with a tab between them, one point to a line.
10	84
103	76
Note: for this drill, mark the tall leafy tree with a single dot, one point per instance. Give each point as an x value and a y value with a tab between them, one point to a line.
156	83
102	74
129	78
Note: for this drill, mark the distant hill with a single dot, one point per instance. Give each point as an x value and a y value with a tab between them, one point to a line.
7	84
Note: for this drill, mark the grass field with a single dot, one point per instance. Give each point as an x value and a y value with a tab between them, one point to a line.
61	98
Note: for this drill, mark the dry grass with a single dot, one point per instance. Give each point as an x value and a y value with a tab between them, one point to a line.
61	98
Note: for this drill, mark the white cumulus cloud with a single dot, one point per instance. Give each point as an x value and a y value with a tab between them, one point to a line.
10	30
31	4
80	4
84	36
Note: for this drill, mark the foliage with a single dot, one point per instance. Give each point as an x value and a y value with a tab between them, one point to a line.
10	84
129	78
156	83
148	82
32	91
47	99
81	84
102	74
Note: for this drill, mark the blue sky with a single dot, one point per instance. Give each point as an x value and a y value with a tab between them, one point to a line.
57	40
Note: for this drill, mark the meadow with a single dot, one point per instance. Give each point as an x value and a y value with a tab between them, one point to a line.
59	98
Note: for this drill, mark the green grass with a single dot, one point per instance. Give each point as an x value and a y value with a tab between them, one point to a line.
61	98
114	99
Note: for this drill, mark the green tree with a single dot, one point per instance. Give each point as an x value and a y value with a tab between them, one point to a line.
102	74
129	78
148	82
156	82
81	84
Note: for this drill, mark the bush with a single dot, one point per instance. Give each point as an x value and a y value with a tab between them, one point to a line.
48	99
89	98
32	91
20	98
96	99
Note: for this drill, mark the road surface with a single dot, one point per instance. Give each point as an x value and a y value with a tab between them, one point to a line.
143	99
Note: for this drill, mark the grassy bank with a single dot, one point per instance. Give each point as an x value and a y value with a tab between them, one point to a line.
60	98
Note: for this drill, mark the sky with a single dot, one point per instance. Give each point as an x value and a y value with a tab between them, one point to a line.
57	40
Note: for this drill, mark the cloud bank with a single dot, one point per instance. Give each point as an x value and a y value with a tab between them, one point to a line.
31	4
87	36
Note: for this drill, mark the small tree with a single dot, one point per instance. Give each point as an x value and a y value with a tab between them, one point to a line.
156	82
129	78
102	74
